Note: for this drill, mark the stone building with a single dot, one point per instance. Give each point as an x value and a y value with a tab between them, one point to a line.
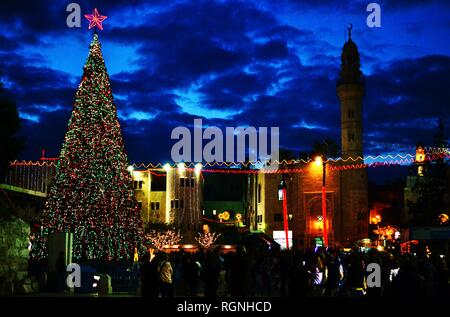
170	195
14	249
346	187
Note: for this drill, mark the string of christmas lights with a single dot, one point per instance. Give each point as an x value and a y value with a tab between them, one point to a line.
436	150
378	160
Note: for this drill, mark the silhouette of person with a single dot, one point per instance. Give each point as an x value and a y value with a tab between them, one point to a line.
61	271
213	267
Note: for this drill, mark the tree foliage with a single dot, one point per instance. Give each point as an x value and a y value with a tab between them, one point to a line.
10	143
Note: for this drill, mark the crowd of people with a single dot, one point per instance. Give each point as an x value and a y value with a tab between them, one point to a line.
325	273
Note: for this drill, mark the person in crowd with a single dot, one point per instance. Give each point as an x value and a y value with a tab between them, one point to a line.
165	273
428	271
301	279
145	275
318	272
61	272
239	273
265	273
315	273
442	279
355	282
286	268
213	267
150	276
408	282
333	276
177	276
373	257
193	273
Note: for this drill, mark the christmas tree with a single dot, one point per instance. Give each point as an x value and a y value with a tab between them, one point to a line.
92	192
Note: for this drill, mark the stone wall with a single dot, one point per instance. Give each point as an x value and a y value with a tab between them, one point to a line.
14	242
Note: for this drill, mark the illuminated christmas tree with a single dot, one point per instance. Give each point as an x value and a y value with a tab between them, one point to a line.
92	194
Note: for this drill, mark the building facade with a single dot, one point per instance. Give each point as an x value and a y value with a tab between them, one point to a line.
171	196
346	187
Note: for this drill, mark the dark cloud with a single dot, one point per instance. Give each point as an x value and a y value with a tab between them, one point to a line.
275	49
353	6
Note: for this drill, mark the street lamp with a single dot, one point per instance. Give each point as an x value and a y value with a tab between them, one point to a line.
320	161
166	167
198	169
376	219
282	196
181	167
443	218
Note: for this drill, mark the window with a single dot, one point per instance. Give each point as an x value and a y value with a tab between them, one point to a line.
361	216
172	204
157	205
140	205
158	184
351	114
278	217
152	206
351	137
137	184
259	218
361	229
214	212
176	203
187	182
259	193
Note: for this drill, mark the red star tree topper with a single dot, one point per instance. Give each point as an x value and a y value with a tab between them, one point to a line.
95	19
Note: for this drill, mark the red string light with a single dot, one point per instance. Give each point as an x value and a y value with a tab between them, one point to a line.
389	160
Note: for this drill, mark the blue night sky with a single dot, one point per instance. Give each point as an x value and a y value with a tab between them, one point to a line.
249	63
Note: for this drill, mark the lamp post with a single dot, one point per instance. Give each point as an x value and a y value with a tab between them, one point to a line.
376	219
282	196
320	161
